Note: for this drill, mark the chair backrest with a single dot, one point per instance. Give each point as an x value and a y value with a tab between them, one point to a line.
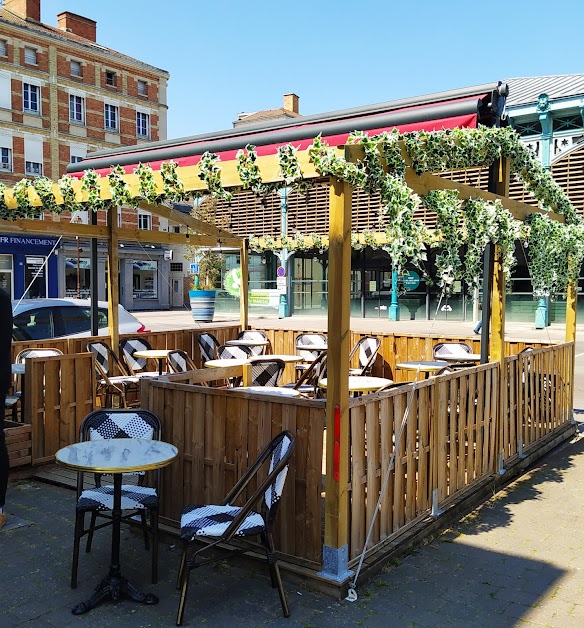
450	349
307	339
36	353
208	346
105	358
367	348
109	423
180	362
128	347
266	371
225	352
313	373
254	334
282	448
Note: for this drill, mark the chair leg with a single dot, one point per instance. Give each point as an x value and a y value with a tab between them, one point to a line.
79	525
145	529
182	566
274	567
90	531
183	594
154	529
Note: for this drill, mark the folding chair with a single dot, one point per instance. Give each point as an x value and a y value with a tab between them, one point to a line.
109	385
225	522
136	366
208	346
180	362
367	348
266	371
136	498
256	334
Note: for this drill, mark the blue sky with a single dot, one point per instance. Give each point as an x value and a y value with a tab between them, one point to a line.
226	56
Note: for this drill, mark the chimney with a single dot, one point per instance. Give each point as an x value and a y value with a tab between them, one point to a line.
78	25
291	102
27	9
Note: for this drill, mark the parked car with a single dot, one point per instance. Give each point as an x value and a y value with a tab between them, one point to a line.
38	319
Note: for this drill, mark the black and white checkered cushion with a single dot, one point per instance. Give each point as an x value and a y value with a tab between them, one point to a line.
266	373
178	361
129	347
214	520
116	425
451	349
253	336
233	353
274	491
133	497
208	346
367	348
101	352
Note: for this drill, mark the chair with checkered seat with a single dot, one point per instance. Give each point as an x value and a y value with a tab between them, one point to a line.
367	348
239	525
180	362
137	499
267	371
253	335
123	386
208	346
136	366
227	352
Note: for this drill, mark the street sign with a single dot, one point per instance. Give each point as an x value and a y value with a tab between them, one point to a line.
410	280
281	271
281	284
194	268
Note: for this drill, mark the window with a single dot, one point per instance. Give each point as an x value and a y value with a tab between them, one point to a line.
30	56
35	324
76	68
176	267
176	228
142	88
76	109
110	78
75	159
6	159
144	221
111	117
145	279
4	51
30	98
142	124
33	168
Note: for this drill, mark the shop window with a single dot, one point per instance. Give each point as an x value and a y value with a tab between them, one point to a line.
145	279
31	98
6	159
30	56
35	278
6	274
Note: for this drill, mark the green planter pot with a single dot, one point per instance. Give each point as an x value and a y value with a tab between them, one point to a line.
202	304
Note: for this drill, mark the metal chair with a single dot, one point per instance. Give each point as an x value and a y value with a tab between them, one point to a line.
449	351
302	345
224	522
367	347
307	384
109	385
256	334
136	498
267	371
208	346
180	362
226	352
136	366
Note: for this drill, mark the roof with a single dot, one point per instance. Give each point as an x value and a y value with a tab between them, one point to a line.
53	32
525	90
266	114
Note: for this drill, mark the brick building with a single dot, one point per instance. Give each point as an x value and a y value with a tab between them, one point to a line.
62	96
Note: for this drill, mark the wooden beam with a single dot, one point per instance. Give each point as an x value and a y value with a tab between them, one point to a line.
244	288
113	294
337	402
571	311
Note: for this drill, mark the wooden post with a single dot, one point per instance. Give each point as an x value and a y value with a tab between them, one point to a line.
244	286
336	549
571	310
113	292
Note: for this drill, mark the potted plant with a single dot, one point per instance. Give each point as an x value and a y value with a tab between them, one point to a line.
209	265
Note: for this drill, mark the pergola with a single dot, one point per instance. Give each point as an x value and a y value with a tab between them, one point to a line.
337	438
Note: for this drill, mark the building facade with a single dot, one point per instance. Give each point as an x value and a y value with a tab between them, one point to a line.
62	96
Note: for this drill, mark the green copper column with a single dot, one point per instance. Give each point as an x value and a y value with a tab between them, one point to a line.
393	313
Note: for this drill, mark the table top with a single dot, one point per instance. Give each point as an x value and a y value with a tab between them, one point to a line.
361	383
225	362
17	369
462	357
279	356
117	455
425	366
314	347
268	390
153	353
242	342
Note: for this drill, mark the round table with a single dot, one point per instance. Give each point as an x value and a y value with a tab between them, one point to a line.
116	456
225	362
156	354
423	366
242	342
269	390
463	357
361	383
285	357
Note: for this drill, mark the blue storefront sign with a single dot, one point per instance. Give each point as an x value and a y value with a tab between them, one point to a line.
34	264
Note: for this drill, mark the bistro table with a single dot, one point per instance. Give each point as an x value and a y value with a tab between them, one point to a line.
462	357
423	366
157	354
116	456
361	383
268	390
242	342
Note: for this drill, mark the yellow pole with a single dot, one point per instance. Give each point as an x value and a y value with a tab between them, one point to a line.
571	310
112	277
335	551
243	289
